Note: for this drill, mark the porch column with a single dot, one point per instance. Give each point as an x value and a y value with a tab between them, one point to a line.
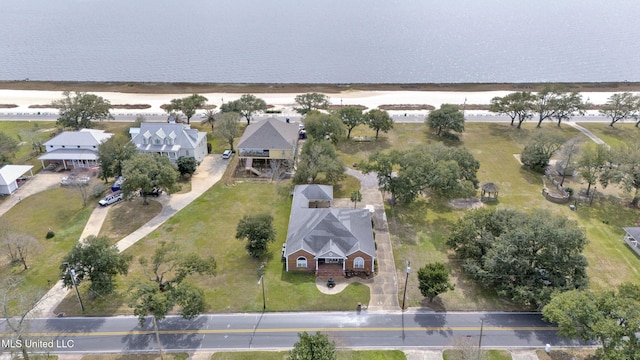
344	263
316	264
42	162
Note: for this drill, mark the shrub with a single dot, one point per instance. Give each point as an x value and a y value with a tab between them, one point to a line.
50	234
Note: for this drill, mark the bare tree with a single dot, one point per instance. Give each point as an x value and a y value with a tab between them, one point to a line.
83	189
19	246
16	307
567	158
467	348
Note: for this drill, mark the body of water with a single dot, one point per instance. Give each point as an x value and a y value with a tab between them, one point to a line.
322	41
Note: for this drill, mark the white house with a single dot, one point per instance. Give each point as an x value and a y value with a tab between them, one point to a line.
9	175
170	140
75	149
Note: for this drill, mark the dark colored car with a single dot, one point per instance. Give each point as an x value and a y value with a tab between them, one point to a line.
155	192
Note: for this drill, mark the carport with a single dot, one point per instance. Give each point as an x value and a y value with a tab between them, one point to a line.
9	175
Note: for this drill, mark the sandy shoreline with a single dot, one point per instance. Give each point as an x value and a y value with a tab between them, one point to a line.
281	96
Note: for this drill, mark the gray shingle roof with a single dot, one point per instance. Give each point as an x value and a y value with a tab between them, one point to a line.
184	136
270	134
634	232
302	194
327	232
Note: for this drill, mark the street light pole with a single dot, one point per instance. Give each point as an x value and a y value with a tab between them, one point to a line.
404	296
72	272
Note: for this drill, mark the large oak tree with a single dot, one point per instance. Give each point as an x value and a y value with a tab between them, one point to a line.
144	171
524	257
79	110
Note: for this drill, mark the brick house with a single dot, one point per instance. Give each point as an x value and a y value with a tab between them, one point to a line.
327	240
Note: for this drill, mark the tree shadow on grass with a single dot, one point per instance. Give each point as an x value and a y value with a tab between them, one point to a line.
351	147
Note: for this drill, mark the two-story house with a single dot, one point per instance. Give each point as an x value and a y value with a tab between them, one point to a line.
170	140
74	149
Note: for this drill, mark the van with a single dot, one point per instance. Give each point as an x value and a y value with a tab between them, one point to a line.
111	198
227	154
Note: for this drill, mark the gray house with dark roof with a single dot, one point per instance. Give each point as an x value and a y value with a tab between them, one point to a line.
320	237
170	140
269	139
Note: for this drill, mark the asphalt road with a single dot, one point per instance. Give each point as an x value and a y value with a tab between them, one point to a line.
279	331
161	117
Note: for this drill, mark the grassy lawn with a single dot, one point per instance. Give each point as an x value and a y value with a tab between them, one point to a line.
346	187
207	226
419	230
24	132
341	355
127	216
620	133
59	209
486	355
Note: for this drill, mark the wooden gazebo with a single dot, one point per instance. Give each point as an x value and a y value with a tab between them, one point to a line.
489	192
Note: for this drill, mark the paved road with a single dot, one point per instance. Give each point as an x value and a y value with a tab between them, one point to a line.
279	331
399	117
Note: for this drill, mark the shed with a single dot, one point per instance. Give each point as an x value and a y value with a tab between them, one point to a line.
9	175
489	192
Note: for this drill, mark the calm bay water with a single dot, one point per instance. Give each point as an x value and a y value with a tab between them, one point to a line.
322	41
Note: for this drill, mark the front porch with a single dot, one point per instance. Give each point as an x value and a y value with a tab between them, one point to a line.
330	270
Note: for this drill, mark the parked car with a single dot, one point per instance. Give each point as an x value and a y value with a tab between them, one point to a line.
111	198
117	185
227	154
155	192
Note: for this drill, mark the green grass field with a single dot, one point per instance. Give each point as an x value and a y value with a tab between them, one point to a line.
59	210
419	230
207	226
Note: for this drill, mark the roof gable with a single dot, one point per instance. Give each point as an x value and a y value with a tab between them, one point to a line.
182	135
269	134
333	232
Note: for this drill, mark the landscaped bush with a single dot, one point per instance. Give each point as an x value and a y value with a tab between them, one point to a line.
50	234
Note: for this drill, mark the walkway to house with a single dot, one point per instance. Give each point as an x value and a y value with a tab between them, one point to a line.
384	287
209	172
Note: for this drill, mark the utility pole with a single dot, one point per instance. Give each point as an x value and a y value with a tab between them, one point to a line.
406	281
72	273
264	300
480	341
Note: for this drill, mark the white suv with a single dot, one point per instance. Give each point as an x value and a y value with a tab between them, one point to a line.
111	198
227	154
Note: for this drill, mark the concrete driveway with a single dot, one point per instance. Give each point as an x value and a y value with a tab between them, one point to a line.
209	172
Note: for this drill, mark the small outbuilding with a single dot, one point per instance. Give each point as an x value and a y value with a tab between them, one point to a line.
10	175
489	192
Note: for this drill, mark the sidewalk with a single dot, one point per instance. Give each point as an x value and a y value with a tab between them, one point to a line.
209	172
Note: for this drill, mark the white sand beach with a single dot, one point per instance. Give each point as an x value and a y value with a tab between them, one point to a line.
282	101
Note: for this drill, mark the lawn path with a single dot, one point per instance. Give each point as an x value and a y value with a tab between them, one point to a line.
209	172
586	132
384	288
